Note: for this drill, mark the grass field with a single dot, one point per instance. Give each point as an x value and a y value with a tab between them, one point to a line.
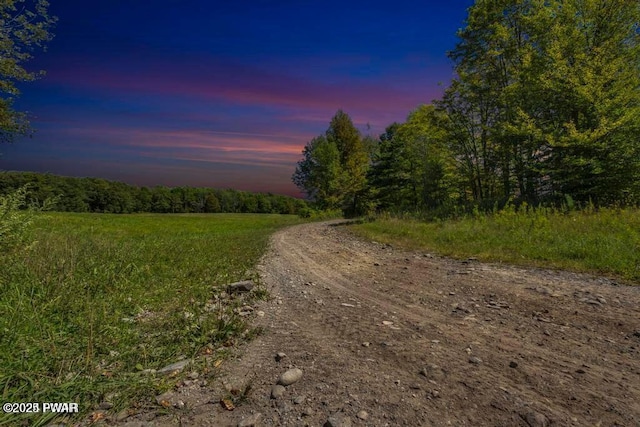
606	241
98	299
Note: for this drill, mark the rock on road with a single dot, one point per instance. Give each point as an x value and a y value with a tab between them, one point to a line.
385	337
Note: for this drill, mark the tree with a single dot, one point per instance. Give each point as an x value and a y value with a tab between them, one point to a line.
318	174
592	52
414	169
354	161
24	26
211	203
546	101
160	199
386	175
334	167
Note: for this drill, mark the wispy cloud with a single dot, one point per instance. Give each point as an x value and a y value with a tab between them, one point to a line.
233	83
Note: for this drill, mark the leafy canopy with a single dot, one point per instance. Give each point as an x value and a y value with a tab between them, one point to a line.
24	26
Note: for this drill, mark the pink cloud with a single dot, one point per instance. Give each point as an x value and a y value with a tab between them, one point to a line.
231	148
239	84
194	139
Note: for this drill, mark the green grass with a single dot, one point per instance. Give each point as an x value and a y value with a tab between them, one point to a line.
606	241
97	299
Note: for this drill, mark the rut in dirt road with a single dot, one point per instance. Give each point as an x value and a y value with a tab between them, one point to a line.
390	338
495	345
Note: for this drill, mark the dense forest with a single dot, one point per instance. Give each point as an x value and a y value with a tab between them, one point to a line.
69	194
544	109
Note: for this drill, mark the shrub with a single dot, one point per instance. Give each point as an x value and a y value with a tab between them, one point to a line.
15	218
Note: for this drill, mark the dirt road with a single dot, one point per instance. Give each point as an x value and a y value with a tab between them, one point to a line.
387	337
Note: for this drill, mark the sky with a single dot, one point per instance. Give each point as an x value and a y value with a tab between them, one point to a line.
223	94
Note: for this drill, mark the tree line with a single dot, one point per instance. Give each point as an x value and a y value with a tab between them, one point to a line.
68	194
544	109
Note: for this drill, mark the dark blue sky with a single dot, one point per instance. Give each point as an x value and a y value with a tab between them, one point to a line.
223	94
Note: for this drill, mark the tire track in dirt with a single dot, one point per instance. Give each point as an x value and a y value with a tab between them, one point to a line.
556	348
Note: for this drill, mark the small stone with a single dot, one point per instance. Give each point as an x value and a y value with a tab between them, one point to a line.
338	420
234	387
283	406
513	364
387	322
105	406
277	391
344	304
174	367
290	377
251	421
307	412
260	313
240	287
164	398
363	415
299	400
432	372
475	360
366	344
123	415
536	419
280	356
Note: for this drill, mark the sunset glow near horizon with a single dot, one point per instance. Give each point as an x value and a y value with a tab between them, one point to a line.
223	94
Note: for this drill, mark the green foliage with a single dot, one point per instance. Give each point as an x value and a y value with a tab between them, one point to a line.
545	107
604	241
334	166
99	195
547	100
100	298
24	26
14	220
414	169
319	174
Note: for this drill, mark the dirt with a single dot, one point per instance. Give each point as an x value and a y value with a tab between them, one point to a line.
414	339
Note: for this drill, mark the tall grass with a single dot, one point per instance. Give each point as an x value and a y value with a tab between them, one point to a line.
605	241
95	300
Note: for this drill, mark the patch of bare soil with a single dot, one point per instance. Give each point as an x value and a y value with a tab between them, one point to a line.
392	338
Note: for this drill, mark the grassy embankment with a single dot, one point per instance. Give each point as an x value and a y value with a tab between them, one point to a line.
606	241
97	299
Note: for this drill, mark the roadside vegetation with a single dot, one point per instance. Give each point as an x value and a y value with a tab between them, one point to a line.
543	113
91	302
544	108
602	241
